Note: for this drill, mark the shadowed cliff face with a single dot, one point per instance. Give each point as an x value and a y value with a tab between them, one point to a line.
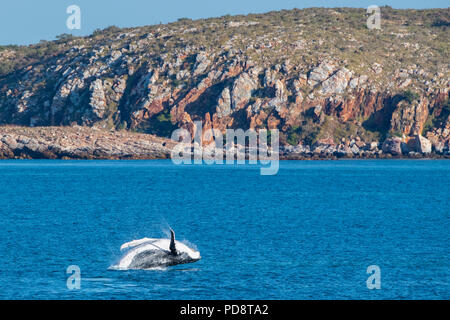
317	75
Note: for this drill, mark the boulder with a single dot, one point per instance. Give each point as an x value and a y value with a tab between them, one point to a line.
320	73
423	145
404	147
394	146
280	96
373	145
242	91
439	147
223	107
360	144
202	63
344	151
355	149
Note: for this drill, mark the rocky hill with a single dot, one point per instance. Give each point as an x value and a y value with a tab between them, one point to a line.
320	76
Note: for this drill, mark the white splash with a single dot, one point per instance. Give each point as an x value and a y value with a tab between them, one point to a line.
154	254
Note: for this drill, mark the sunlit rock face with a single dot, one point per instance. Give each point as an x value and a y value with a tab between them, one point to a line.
314	81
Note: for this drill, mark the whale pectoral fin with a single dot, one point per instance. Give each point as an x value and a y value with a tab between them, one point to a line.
173	248
134	243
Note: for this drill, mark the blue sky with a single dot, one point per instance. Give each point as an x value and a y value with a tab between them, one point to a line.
29	21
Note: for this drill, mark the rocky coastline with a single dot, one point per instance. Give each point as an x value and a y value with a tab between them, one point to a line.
80	143
332	87
83	143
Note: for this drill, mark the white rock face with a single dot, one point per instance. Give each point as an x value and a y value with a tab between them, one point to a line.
280	96
223	108
320	73
243	88
337	83
423	145
202	63
98	100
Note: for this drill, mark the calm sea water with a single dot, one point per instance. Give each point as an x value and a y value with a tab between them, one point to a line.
309	232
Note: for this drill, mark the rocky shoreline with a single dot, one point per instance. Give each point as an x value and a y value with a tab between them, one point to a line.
84	143
322	83
417	147
383	156
80	143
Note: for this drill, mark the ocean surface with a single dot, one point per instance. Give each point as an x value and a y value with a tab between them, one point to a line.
309	232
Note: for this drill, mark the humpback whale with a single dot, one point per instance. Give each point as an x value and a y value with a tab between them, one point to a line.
150	253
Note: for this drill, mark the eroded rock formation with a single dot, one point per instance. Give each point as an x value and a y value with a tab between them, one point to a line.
314	82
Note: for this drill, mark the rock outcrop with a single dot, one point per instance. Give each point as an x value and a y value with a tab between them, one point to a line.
394	146
423	145
80	143
316	83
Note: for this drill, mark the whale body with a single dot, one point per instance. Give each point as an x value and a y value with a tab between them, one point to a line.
151	253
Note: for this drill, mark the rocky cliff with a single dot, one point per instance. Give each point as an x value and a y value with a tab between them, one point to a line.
320	76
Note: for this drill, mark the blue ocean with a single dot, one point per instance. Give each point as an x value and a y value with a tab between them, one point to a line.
309	232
